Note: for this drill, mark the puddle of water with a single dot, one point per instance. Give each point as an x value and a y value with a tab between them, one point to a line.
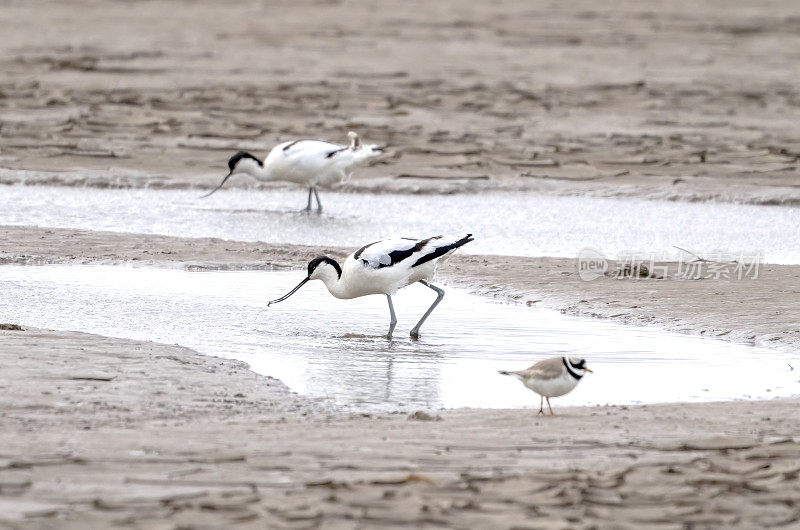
330	348
524	224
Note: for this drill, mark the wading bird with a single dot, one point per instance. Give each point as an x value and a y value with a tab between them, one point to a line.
552	377
384	267
307	162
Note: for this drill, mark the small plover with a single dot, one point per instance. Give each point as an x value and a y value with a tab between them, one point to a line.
552	377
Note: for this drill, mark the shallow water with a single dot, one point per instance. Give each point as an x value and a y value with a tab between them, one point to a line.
329	348
518	223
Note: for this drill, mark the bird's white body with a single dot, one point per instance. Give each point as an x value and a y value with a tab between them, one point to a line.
308	162
311	162
370	270
384	267
556	387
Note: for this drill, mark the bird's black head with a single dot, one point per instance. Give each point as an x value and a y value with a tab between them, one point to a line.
321	268
235	159
316	262
576	366
239	156
580	364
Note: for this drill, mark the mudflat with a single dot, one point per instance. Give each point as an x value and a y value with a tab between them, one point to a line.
100	432
681	101
684	101
103	432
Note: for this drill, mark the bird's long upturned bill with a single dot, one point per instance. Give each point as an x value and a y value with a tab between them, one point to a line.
290	293
218	187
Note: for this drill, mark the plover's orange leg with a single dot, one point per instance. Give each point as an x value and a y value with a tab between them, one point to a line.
549	407
541	406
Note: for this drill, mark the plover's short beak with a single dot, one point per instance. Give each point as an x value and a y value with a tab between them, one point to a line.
587	370
290	293
218	187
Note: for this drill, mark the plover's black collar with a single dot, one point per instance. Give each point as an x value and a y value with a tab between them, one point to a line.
571	368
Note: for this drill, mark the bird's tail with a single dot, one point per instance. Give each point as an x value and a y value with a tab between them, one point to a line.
518	375
464	240
459	243
362	152
443	248
355	141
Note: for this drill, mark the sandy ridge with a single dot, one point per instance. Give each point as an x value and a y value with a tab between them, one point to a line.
761	311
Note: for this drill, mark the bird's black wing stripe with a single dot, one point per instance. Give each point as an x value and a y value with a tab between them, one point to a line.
397	256
362	249
569	369
331	153
365	247
291	145
441	251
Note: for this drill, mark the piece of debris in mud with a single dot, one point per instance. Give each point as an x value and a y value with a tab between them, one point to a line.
421	415
634	270
11	327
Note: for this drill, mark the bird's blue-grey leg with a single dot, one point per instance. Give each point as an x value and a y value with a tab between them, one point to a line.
439	296
319	204
308	206
393	320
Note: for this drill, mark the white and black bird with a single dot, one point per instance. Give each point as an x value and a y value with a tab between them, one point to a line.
384	267
552	377
307	162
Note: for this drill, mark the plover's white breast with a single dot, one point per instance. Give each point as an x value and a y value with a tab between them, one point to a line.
557	386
